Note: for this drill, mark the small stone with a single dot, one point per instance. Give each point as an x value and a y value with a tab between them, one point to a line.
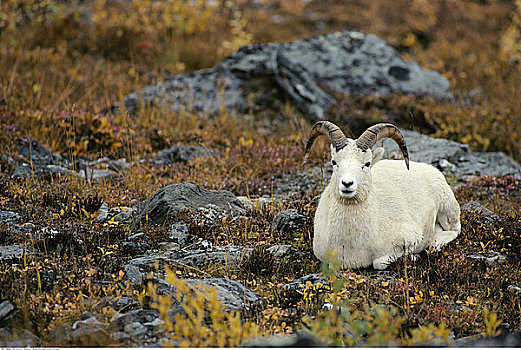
491	258
135	329
5	308
514	289
136	236
9	217
446	166
288	221
103	213
16	251
18	338
181	153
279	250
133	248
120	336
123	214
89	322
178	232
154	324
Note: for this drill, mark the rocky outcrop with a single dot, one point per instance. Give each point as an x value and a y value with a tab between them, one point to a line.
261	76
15	251
188	197
453	158
34	159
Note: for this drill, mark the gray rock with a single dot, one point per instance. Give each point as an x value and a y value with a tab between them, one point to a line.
133	248
305	181
103	213
491	258
258	75
89	322
474	206
136	236
197	254
120	337
9	160
178	232
139	267
44	172
9	217
5	308
280	250
154	324
298	340
98	174
181	153
121	214
233	295
288	221
508	340
183	197
18	338
453	158
16	251
140	316
298	284
514	289
90	336
135	329
486	216
32	151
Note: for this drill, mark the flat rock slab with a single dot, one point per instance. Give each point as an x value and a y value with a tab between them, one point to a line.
262	75
184	197
9	217
17	251
233	295
198	255
454	158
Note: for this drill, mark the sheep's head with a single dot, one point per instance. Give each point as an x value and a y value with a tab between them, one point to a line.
352	159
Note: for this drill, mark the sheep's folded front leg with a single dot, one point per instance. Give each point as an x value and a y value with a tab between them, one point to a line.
383	262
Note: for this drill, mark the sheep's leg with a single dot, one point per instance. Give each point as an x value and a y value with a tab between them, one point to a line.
442	237
383	262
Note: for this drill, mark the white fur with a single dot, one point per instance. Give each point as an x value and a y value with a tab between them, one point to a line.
387	210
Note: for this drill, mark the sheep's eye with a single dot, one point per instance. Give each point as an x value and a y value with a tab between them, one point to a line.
333	162
367	164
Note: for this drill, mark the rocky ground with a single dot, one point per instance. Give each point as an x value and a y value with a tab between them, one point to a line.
80	269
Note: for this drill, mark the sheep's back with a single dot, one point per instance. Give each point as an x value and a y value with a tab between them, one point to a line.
412	198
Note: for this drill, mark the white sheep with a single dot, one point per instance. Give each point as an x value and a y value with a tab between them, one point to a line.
372	211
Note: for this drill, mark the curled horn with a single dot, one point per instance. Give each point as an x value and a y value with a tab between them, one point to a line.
336	136
379	131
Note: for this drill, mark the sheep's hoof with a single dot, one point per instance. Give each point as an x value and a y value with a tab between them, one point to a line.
443	237
382	263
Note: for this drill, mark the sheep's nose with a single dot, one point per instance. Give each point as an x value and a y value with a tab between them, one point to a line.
347	184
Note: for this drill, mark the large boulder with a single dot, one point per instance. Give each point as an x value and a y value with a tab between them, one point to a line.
184	197
453	158
261	76
35	160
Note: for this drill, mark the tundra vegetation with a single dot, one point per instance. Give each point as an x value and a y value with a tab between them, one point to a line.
61	62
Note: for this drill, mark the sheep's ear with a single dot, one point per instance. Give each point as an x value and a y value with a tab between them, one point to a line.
333	150
378	154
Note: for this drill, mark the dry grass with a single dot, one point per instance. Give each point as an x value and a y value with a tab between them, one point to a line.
56	74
